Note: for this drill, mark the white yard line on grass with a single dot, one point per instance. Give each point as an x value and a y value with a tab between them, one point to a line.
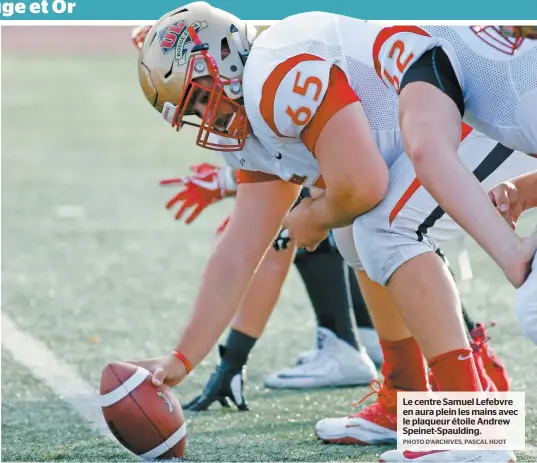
59	376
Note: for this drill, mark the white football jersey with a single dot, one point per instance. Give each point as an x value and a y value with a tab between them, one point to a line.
499	89
287	165
285	80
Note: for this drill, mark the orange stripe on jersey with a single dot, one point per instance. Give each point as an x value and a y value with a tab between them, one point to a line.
319	183
385	34
250	176
338	95
270	87
466	130
404	199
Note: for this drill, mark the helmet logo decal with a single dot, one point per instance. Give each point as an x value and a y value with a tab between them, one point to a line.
176	36
168	37
184	39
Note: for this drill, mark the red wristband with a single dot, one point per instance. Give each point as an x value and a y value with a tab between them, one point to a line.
183	360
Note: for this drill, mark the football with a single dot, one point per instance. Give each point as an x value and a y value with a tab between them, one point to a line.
146	420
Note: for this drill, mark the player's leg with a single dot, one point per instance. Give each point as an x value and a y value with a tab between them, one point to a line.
329	301
339	359
397	243
480	343
246	327
427	297
403	368
367	334
400	253
323	275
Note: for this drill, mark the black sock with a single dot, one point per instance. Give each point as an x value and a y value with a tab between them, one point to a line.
324	277
468	320
236	350
361	315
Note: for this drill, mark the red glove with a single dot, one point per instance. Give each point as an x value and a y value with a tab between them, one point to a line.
208	185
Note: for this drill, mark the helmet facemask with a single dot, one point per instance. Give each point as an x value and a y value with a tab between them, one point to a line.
202	64
503	38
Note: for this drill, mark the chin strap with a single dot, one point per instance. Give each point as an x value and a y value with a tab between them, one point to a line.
235	35
168	110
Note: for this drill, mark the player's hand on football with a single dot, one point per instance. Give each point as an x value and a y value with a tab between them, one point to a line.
300	228
208	185
507	200
166	370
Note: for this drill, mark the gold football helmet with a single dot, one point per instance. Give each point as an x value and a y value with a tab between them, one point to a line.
528	32
190	42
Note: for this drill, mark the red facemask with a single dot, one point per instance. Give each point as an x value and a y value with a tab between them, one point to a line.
497	38
237	127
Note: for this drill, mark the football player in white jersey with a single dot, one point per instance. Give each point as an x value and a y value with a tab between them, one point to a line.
341	358
304	106
195	198
484	75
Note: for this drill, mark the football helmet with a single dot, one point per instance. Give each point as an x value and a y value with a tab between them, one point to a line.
506	39
529	32
189	43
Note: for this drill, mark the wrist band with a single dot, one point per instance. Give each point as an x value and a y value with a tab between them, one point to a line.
183	360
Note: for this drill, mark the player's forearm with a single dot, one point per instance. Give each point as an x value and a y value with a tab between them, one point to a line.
461	196
223	286
339	209
527	188
327	214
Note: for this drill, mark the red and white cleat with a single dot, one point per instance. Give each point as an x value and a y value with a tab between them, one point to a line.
374	425
493	365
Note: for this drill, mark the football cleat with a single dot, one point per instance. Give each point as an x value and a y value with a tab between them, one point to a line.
376	424
492	363
369	341
335	363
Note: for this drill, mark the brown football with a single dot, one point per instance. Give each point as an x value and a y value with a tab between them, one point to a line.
145	419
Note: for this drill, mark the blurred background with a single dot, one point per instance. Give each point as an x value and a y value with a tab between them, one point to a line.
95	267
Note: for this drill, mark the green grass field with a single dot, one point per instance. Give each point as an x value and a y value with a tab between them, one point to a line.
95	267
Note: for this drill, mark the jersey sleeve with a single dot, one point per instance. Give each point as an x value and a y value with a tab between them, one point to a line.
395	49
292	93
338	95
